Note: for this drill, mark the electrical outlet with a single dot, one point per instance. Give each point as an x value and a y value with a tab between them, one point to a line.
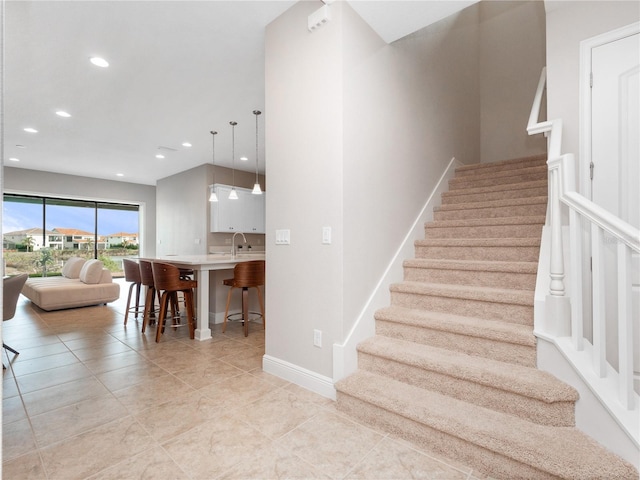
317	338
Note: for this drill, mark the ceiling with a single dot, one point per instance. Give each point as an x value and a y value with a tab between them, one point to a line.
178	70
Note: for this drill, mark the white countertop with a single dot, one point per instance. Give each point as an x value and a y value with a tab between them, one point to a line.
210	260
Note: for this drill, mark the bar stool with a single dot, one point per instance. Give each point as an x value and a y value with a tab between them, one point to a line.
132	274
246	275
166	278
146	277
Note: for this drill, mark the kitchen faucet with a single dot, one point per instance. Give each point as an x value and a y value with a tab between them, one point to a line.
233	242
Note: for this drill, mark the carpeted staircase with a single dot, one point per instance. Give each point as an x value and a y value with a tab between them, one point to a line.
452	367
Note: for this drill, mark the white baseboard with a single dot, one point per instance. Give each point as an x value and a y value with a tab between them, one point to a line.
300	376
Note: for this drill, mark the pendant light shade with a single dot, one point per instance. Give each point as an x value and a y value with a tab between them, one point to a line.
212	193
256	187
233	195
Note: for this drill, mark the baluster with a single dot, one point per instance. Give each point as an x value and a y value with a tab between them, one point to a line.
556	270
577	325
599	335
625	328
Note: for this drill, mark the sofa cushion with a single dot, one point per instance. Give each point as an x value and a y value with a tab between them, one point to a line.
91	271
72	267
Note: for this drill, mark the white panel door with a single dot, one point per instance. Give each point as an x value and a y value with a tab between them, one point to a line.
615	101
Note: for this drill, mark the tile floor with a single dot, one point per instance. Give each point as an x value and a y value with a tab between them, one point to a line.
91	398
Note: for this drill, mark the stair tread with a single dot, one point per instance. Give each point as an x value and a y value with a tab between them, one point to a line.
511	202
543	447
501	174
471	326
473	265
488	222
515	162
479	242
467	292
525	381
503	187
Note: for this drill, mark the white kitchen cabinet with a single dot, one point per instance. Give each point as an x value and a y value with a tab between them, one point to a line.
246	214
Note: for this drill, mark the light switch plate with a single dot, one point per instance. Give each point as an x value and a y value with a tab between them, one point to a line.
326	235
283	237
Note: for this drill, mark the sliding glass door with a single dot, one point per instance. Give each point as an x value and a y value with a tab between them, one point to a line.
40	233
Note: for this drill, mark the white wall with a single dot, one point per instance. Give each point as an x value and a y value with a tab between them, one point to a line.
512	54
34	182
358	134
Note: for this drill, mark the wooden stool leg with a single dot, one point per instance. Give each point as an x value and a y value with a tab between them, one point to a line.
226	311
188	300
164	300
137	299
126	312
245	310
149	305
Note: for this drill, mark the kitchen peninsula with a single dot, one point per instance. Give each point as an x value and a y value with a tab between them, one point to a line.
202	265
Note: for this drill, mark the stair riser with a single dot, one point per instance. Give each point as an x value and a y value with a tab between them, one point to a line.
507	254
496	167
490	231
558	414
470	182
459	196
442	443
517	281
491	212
481	347
520	314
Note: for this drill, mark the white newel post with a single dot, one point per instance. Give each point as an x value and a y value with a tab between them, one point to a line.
558	310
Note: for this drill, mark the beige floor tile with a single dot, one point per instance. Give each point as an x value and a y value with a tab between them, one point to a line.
267	377
175	413
57	396
95	450
277	413
390	459
26	467
90	341
44	363
56	425
9	386
40	352
102	350
128	376
17	439
207	372
13	410
228	347
55	376
153	464
213	447
273	464
176	359
349	443
116	361
147	395
237	392
247	360
22	343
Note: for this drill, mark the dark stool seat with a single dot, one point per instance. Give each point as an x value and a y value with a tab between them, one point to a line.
167	279
246	275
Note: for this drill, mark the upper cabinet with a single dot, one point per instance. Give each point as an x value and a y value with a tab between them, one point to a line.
246	214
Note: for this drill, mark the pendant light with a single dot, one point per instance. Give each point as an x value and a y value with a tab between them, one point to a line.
212	195
233	195
256	187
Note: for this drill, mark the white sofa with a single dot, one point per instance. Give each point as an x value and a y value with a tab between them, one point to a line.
83	283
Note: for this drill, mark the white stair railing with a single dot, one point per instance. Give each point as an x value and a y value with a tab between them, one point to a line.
614	386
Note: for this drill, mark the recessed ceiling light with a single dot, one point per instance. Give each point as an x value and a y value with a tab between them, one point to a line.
14	159
99	62
30	130
186	144
244	159
62	113
119	174
159	155
20	146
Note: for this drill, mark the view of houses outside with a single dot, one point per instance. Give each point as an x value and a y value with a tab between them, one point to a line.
43	251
